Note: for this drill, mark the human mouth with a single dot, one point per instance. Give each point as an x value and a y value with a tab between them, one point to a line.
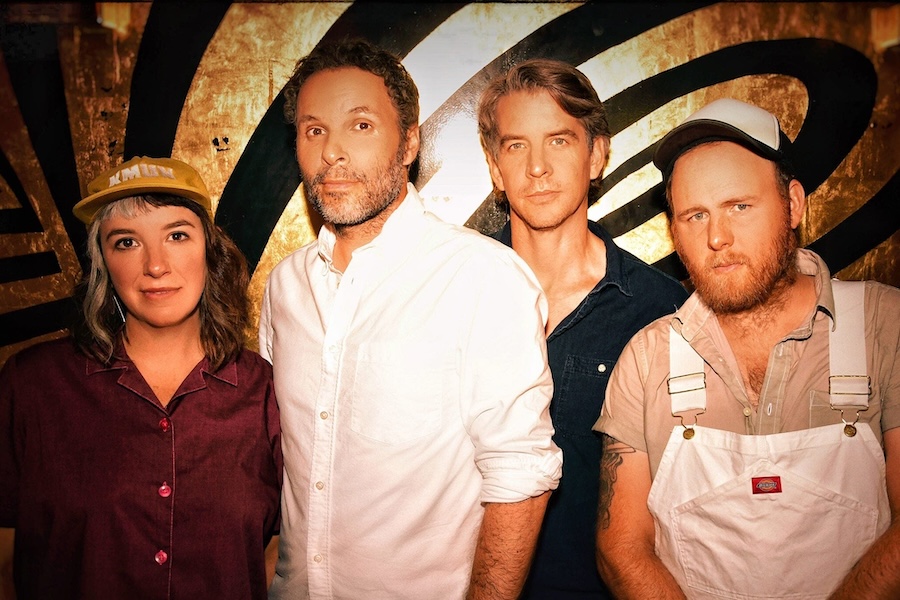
157	293
337	184
541	194
726	265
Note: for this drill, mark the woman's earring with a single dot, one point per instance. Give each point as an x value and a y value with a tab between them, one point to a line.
119	308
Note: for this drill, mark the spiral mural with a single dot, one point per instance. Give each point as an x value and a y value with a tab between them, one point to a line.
85	86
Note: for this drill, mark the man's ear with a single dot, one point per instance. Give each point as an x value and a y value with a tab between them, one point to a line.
796	202
599	154
412	145
496	175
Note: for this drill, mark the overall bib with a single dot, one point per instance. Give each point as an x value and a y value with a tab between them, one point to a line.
785	515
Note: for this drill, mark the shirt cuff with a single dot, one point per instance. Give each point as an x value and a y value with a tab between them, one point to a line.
514	479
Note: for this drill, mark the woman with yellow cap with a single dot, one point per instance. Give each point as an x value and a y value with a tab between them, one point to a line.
141	457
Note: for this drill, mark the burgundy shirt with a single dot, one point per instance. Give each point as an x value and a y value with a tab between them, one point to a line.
113	495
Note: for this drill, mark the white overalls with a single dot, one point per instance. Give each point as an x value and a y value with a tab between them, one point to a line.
785	515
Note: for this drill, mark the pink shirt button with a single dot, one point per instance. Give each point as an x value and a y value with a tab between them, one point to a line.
164	490
161	557
164	424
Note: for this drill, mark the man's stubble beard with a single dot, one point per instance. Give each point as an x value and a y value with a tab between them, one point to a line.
349	210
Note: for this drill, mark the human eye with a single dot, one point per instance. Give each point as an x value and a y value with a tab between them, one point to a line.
124	243
696	217
179	236
559	141
314	131
363	126
741	207
514	146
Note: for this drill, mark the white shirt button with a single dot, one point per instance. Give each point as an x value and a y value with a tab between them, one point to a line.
320	485
747	411
323	415
317	558
601	367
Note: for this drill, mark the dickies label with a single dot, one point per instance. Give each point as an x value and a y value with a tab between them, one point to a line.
767	485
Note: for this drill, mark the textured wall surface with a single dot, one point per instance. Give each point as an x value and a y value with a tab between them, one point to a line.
84	86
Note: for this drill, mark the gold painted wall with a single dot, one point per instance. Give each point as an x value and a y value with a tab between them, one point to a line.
669	63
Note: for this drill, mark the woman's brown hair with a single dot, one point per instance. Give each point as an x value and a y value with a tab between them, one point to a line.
224	304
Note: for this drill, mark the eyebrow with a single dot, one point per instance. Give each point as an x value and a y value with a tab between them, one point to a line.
745	199
353	111
563	133
552	134
180	223
119	232
172	225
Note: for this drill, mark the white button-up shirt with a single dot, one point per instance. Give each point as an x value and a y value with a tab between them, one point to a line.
412	387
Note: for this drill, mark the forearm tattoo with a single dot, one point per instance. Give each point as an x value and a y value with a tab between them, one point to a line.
610	460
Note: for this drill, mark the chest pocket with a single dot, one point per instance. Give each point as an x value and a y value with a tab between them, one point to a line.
399	390
577	400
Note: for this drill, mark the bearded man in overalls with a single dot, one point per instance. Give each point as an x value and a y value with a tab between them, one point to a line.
752	439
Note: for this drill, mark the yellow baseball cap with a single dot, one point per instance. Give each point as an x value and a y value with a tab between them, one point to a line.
143	175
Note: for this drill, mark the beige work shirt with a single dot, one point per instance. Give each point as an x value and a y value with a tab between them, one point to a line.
638	411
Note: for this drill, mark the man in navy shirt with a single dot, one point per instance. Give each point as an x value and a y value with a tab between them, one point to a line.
546	138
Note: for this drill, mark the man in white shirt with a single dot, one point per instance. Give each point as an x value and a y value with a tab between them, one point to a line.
410	365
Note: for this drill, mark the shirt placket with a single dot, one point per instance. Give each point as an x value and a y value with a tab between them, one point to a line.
163	486
345	302
771	398
164	494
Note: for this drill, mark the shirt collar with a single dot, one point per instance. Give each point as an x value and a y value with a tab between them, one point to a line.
615	274
394	235
227	373
810	263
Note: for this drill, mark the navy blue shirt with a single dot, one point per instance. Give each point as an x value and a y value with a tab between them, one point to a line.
582	351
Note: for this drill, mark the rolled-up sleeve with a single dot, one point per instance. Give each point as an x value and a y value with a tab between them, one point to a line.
506	384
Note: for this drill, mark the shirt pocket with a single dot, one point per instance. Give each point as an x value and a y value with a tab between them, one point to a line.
576	404
399	390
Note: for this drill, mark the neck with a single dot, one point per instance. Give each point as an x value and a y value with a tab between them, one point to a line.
561	255
178	343
350	237
568	261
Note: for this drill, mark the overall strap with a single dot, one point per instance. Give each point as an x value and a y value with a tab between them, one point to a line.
687	380
849	384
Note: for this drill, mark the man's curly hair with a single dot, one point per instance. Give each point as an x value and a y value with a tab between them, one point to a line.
361	55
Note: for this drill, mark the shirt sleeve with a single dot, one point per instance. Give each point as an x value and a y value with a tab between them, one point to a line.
273	426
622	414
885	354
506	383
9	471
265	325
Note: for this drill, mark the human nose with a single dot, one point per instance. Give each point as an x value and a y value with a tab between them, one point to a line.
719	233
156	262
537	163
333	151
